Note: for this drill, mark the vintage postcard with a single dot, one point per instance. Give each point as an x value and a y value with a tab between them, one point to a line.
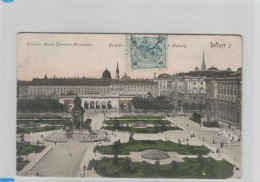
129	105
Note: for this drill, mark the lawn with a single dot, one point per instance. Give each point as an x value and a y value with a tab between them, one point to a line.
21	163
26	148
195	120
213	124
142	117
42	121
146	121
34	130
141	145
191	168
155	129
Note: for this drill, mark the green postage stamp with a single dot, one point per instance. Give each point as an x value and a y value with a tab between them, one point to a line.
148	52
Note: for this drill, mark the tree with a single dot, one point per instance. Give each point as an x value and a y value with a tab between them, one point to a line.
193	106
115	160
200	159
116	148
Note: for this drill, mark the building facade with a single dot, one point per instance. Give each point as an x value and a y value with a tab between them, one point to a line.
56	87
224	100
181	89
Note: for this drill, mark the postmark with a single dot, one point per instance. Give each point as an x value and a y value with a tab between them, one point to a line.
148	52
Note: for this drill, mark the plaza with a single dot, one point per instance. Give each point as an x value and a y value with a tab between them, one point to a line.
72	158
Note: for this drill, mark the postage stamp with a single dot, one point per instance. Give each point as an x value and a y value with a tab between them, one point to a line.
148	52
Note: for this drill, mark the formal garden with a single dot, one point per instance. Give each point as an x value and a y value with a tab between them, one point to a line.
200	167
140	124
154	129
141	145
25	148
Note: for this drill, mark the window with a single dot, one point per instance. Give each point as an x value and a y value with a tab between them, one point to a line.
194	83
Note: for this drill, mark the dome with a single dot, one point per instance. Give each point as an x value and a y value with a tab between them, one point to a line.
106	74
212	68
155	155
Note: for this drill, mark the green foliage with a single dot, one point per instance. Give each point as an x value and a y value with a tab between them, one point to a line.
26	148
115	160
116	148
43	121
148	170
40	105
196	117
154	129
143	117
190	168
146	104
174	166
141	145
213	124
36	129
126	164
21	163
129	121
91	164
116	124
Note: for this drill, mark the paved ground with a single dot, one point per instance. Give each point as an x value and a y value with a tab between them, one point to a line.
62	161
68	159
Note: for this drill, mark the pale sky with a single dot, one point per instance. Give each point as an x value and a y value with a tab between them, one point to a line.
35	58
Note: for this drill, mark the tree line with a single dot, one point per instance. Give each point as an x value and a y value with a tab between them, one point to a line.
147	104
40	105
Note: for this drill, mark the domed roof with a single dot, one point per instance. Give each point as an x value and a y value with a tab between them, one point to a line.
212	68
155	155
106	74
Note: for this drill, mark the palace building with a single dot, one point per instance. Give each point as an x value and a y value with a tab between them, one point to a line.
56	87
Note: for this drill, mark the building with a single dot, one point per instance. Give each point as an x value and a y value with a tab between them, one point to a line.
224	99
181	89
56	87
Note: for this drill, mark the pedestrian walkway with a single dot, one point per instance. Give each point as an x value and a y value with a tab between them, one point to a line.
34	158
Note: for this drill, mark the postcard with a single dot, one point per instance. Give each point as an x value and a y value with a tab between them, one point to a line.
129	105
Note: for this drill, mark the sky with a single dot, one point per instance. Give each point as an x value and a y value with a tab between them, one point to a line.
73	55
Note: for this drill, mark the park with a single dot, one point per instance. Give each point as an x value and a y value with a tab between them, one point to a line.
145	141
